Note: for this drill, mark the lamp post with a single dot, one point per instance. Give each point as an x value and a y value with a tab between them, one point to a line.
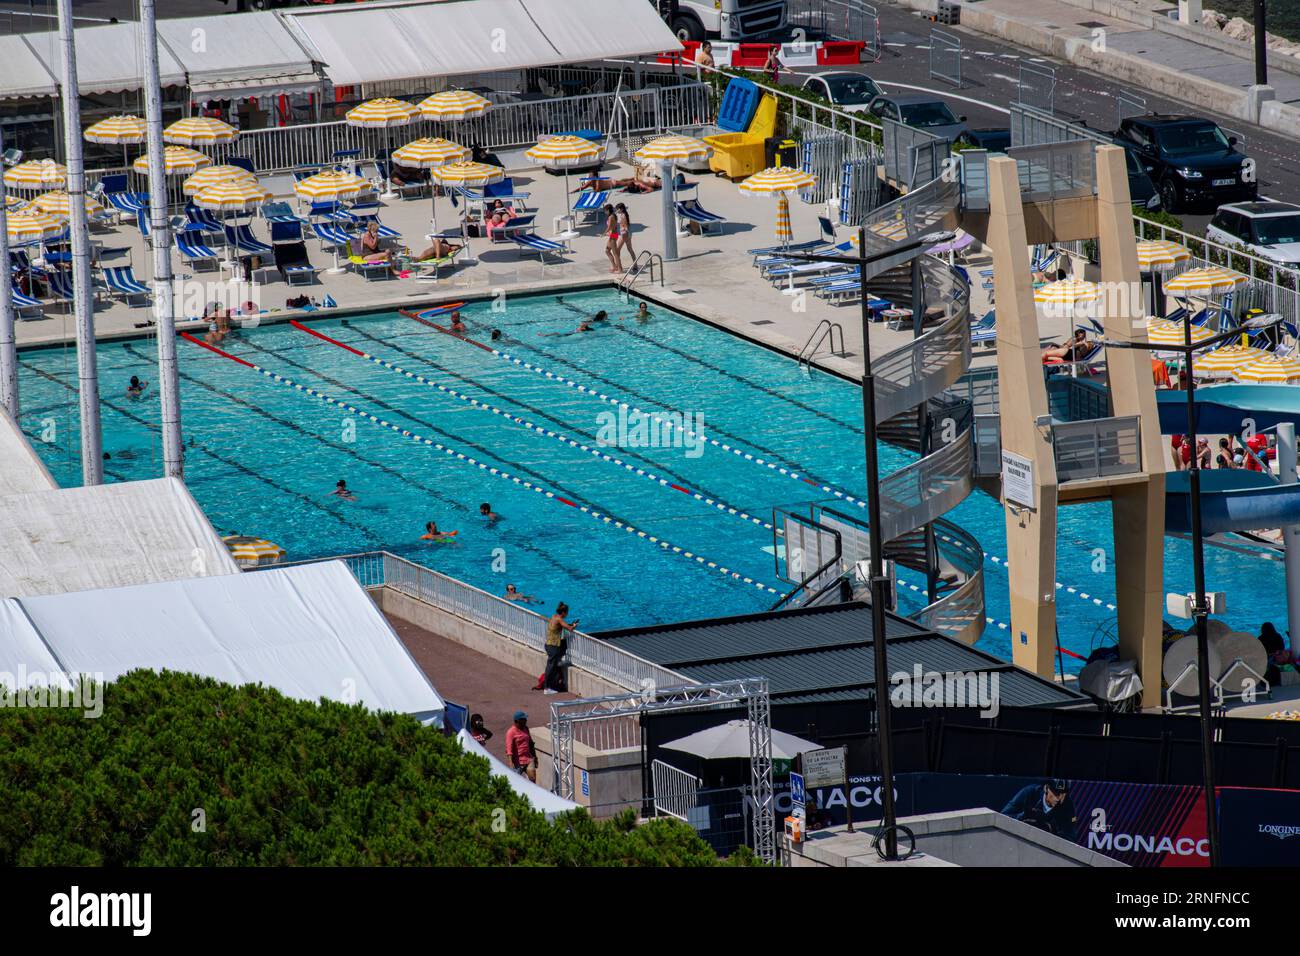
1261	44
878	263
1200	612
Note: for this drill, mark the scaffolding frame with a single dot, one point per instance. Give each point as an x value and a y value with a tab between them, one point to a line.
753	692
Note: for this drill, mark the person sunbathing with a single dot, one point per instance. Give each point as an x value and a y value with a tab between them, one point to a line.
441	249
1069	351
638	183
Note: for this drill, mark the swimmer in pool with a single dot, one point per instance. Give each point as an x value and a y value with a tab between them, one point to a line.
136	388
486	511
457	323
496	335
513	595
431	533
600	316
583	326
642	313
341	491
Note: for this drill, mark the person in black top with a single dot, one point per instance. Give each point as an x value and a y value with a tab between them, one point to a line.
1046	806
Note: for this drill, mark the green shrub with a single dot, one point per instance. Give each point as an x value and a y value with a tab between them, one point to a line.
280	782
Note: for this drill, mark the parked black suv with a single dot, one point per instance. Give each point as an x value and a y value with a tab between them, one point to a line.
1191	160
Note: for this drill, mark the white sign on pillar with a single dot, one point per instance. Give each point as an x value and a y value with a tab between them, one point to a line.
1018	480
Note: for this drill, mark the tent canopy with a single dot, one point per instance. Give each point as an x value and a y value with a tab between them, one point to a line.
542	799
75	539
21	469
309	632
412	39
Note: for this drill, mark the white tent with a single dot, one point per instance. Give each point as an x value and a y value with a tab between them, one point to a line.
378	42
22	651
542	799
731	740
309	631
105	536
21	469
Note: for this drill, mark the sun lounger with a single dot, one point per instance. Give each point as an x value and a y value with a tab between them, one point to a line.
531	242
203	219
984	331
193	252
122	282
291	259
589	205
25	303
692	211
241	239
371	270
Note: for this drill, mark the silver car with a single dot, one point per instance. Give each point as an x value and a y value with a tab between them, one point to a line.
921	110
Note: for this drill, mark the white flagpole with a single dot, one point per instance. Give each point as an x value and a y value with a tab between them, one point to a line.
8	344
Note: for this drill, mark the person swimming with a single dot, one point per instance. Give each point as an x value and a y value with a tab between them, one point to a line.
457	323
512	594
600	316
642	313
496	335
583	326
341	491
486	511
431	533
136	388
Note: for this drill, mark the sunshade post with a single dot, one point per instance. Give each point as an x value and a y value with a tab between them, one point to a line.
160	240
92	446
668	191
8	343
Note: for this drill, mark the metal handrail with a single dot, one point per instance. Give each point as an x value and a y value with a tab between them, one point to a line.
374	569
826	328
644	260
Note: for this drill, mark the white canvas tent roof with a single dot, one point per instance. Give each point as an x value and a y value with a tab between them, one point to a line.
309	631
21	469
412	39
21	649
78	539
109	59
540	798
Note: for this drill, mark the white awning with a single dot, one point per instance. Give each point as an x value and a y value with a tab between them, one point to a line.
235	56
132	532
22	72
381	42
309	632
21	469
109	59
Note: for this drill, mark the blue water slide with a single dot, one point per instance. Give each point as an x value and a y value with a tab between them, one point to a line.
1223	409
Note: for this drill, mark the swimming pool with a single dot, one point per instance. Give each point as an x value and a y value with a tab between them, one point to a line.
629	525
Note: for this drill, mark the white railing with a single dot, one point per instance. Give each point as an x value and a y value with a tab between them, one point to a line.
375	569
506	125
676	792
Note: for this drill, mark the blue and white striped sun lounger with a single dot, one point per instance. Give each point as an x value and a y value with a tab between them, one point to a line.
193	252
242	239
330	234
589	205
691	210
128	203
61	289
25	303
121	281
204	219
532	242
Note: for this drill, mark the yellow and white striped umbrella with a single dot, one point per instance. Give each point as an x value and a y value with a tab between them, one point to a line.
1223	362
117	131
1067	292
777	179
177	161
330	186
564	151
235	195
1164	332
199	131
430	151
251	552
472	175
28	225
1206	280
677	149
783	231
453	105
1279	369
1160	255
37	174
211	175
59	203
382	113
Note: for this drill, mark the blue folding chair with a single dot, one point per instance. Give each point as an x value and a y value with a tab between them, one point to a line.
241	239
589	205
286	230
531	242
193	252
121	281
25	303
203	219
692	211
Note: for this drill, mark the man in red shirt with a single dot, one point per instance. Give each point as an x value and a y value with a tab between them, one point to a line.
1258	443
519	747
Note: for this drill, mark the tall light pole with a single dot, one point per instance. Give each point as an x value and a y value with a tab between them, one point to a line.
160	239
8	344
1261	43
870	266
1201	609
83	302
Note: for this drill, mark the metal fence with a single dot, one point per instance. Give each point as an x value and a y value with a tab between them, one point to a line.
1097	448
1031	126
912	156
852	20
676	792
1056	170
823	151
1128	104
383	569
1036	87
945	57
650	110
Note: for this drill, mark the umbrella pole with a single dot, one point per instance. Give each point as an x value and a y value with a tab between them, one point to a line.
388	165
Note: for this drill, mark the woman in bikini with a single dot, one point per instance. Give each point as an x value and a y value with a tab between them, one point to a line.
624	229
612	241
370	250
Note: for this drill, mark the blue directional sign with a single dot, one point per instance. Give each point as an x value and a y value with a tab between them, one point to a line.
797	791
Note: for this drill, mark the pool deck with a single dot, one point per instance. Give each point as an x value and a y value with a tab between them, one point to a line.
713	279
478	682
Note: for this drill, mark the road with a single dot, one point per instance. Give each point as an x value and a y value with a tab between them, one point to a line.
990	74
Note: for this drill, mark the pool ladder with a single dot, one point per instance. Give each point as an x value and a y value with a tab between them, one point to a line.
825	329
645	260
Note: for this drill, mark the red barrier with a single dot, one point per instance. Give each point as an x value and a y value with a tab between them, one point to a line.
840	52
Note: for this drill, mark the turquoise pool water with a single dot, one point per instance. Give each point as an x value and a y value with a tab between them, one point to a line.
577	516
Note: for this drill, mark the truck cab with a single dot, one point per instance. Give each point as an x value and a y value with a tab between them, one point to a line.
730	21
